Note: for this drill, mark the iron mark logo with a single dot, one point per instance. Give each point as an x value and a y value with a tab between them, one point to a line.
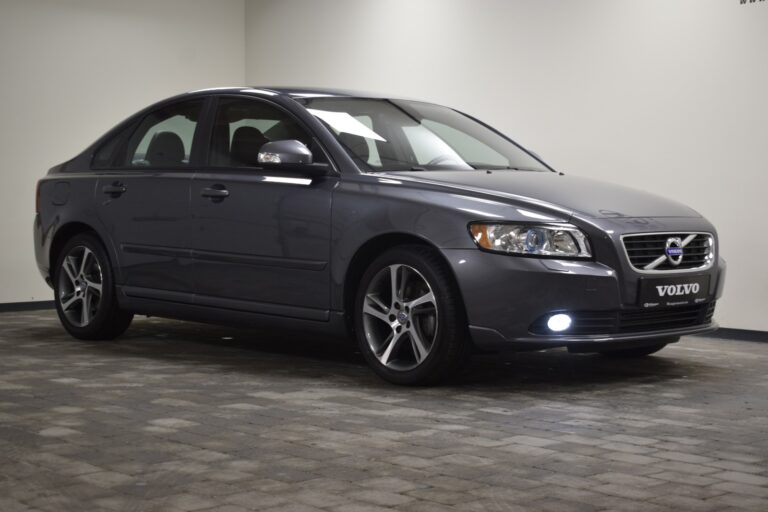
745	2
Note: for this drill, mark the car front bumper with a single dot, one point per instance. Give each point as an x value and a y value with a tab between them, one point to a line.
505	295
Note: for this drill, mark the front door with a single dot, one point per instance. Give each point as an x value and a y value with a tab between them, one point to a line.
262	237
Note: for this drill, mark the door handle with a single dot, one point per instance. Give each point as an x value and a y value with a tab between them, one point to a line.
215	192
115	189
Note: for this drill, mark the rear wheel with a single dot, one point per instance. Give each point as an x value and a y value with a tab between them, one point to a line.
84	291
409	319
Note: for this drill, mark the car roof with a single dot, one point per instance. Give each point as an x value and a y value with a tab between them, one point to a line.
297	92
310	92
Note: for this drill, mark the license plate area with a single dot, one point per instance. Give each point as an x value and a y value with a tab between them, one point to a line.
673	291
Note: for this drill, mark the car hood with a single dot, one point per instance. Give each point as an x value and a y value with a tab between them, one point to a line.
568	194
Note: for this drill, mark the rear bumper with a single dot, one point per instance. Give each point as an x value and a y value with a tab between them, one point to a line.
42	247
505	295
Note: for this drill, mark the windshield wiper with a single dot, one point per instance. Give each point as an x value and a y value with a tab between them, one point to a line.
405	169
507	168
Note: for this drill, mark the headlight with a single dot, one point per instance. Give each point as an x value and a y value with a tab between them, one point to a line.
562	240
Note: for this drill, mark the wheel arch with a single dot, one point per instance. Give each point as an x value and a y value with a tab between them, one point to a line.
63	235
368	252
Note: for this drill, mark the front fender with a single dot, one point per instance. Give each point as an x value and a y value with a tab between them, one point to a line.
367	206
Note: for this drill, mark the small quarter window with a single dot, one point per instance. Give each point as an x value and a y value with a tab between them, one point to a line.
164	137
105	155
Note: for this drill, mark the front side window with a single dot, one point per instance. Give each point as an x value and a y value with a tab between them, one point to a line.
242	126
388	135
164	137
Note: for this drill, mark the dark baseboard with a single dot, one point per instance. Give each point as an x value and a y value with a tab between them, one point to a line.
26	306
737	334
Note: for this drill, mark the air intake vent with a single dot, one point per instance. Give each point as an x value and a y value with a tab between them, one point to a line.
631	321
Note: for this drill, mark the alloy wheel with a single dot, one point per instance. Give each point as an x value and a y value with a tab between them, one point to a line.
80	285
400	317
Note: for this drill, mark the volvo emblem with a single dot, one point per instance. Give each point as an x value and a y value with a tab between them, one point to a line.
674	250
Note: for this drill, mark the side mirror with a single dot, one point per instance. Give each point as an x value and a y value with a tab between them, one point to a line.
285	152
291	155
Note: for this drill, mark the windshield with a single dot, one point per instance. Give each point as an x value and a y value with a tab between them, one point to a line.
389	135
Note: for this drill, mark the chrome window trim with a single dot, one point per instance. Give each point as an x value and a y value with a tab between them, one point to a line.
706	266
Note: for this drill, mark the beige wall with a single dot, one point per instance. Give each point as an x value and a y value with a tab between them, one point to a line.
70	70
664	95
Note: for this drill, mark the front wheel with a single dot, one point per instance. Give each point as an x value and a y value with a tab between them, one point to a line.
409	318
85	293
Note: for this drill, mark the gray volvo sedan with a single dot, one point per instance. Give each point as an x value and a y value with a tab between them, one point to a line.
414	228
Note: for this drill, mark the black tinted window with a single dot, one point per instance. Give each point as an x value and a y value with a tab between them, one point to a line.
243	126
164	137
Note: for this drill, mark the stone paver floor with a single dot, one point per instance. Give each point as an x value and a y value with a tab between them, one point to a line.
182	417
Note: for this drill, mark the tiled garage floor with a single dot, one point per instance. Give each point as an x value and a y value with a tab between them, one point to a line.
179	417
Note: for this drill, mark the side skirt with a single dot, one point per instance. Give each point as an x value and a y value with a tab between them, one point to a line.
180	307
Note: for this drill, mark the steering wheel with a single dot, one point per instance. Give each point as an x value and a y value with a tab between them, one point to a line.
442	159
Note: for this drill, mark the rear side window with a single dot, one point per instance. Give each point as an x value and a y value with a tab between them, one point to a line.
164	137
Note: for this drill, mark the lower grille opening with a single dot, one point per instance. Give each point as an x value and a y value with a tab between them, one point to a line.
630	321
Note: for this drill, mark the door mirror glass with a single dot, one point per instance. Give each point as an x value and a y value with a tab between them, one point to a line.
284	152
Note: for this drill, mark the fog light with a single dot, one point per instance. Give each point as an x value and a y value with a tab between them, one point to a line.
559	322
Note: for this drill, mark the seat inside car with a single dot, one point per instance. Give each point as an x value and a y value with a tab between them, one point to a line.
246	144
165	149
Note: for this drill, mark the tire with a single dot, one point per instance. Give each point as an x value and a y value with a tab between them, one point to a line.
633	352
84	291
419	336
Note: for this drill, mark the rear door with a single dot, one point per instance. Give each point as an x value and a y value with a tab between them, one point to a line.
143	202
261	237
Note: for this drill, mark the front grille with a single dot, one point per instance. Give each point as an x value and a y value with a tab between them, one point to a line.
644	250
631	321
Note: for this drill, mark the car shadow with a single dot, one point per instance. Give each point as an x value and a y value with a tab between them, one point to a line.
337	361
